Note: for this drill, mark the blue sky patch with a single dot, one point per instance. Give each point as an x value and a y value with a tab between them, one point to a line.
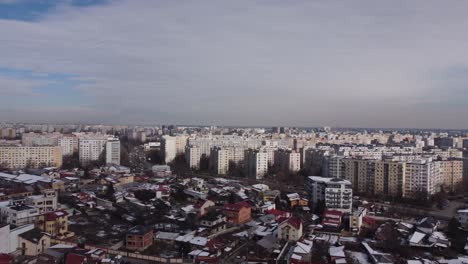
30	10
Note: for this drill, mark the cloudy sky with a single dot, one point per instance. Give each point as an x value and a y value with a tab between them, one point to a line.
243	62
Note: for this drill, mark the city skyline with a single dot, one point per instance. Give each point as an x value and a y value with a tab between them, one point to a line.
248	63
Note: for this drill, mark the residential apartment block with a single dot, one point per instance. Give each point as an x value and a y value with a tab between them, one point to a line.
336	193
17	157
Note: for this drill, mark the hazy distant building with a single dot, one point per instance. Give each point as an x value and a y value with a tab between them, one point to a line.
7	133
219	160
113	151
288	160
35	139
444	142
193	156
256	163
333	166
91	149
180	143
168	146
69	144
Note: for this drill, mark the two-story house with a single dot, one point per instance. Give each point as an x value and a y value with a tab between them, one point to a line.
290	229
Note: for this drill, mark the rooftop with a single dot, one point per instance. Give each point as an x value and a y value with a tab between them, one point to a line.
139	230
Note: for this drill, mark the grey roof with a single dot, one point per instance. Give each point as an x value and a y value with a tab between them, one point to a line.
268	242
33	235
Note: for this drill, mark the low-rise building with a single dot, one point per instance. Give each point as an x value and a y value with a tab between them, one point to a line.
45	202
215	221
54	223
290	229
202	206
332	219
355	219
18	213
139	238
238	213
33	242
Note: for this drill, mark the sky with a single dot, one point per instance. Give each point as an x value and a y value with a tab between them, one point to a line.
300	63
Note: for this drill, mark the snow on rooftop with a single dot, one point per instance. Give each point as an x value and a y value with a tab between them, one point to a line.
328	179
296	257
337	252
303	248
199	241
417	237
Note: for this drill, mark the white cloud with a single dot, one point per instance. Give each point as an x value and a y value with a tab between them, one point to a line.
360	63
10	87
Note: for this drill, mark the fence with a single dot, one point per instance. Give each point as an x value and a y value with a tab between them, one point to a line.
123	253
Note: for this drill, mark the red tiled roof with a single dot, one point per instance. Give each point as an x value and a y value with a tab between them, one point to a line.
294	222
52	216
200	203
332	218
206	260
277	212
237	206
333	212
73	258
368	220
6	259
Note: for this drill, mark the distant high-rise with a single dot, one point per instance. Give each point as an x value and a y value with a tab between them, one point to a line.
69	144
256	163
91	148
219	160
113	151
423	176
193	156
288	160
169	148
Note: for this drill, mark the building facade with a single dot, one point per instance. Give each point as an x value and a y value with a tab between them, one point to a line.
256	163
113	151
18	157
288	160
91	149
337	194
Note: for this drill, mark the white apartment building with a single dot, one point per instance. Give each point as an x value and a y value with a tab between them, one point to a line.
288	160
44	202
35	139
271	154
256	163
113	151
9	237
423	176
7	132
208	142
181	142
21	156
193	156
69	144
91	148
336	193
169	147
18	213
